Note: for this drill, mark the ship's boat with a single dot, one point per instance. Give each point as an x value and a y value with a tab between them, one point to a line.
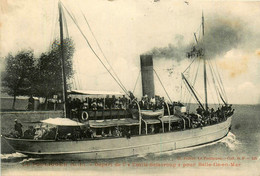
129	129
152	113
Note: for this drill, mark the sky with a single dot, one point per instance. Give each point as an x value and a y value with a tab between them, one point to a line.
126	29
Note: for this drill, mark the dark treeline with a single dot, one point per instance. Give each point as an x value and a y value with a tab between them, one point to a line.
26	75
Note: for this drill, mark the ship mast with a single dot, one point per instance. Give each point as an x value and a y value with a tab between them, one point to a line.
205	69
64	84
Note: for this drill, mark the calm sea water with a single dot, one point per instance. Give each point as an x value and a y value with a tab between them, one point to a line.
237	154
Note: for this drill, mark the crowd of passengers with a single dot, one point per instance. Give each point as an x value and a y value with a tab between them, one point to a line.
36	133
44	132
208	117
87	133
153	103
98	103
113	102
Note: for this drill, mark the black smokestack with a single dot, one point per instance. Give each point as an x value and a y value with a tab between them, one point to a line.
147	75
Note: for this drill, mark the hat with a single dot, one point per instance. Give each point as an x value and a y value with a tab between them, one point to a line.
15	120
44	126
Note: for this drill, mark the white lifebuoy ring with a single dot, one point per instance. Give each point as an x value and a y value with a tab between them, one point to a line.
84	115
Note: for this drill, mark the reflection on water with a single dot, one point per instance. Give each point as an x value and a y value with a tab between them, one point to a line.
231	142
12	156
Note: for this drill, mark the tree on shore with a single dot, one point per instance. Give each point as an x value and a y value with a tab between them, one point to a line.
48	80
17	77
42	77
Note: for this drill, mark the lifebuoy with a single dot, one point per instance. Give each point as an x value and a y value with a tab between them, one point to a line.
84	115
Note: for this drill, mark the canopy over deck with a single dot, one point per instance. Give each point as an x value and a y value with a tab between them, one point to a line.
112	122
61	122
94	92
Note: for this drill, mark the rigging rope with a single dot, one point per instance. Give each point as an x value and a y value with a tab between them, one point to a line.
211	92
137	80
187	87
188	66
94	50
218	78
162	86
76	79
53	31
65	23
193	84
53	25
196	92
219	83
216	88
103	52
187	95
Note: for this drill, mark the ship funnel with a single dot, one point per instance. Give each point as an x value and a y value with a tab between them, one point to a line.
147	75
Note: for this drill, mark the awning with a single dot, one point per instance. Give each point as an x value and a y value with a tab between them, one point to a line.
171	118
112	122
61	122
31	121
94	92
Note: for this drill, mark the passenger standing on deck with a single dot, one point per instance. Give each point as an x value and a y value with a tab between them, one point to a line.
85	103
199	110
100	104
31	103
107	102
212	115
18	127
94	104
131	95
124	102
89	133
212	112
152	101
141	103
146	102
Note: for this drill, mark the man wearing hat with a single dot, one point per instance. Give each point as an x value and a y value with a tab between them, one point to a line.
18	127
38	132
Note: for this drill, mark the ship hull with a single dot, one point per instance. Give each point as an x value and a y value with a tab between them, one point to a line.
121	147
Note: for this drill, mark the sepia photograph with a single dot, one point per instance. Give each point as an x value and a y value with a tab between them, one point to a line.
113	87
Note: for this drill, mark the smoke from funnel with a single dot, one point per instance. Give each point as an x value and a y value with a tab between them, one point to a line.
221	35
171	51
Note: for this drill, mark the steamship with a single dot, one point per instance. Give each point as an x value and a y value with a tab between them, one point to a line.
177	128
